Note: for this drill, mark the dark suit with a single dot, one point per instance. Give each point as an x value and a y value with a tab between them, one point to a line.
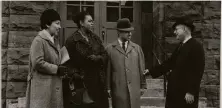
187	65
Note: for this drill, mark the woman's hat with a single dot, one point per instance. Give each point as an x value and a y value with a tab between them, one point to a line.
124	25
185	20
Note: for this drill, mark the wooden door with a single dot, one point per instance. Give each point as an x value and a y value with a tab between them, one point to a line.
111	11
69	9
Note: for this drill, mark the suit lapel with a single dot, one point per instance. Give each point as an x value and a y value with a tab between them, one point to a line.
118	47
129	47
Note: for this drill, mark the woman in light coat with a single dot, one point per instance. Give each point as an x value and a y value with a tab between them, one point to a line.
44	81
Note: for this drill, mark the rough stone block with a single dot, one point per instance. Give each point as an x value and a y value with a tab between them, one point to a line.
28	8
177	9
212	92
212	11
17	72
19	56
211	77
21	39
212	46
5	23
5	8
4	56
4	72
4	39
3	103
11	103
25	22
209	62
16	89
3	90
171	44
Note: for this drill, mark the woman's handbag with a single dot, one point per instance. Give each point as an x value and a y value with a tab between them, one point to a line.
78	91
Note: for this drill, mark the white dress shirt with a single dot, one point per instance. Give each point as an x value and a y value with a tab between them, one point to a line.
120	42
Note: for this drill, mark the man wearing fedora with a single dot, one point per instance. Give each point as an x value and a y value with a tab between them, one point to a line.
185	68
125	68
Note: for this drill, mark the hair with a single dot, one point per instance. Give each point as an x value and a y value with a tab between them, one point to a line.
80	17
47	17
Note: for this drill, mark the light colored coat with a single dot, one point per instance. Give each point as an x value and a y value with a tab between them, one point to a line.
44	86
125	74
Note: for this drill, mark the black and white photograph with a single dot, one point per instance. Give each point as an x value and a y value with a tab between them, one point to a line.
110	54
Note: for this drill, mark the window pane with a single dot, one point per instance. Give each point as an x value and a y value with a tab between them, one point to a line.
129	3
71	11
89	9
113	3
87	2
112	14
73	2
127	13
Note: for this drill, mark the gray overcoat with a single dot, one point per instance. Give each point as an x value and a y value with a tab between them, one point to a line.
44	86
125	74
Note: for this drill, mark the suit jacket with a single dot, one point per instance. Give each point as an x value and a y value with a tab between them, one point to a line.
187	65
125	74
44	86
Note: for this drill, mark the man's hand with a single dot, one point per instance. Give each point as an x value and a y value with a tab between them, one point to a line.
142	91
109	93
189	98
146	72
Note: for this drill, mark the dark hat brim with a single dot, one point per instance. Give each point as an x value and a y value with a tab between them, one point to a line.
126	29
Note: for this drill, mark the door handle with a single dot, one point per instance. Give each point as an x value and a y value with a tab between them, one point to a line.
103	35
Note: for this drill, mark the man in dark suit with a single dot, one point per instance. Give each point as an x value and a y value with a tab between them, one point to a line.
185	68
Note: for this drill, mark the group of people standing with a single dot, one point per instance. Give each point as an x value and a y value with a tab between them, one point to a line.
95	73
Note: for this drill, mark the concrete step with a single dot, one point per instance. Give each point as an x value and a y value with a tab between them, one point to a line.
160	101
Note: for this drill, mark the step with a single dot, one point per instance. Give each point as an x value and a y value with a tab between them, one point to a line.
160	101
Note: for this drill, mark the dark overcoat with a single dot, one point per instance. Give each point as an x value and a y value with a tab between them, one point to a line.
125	74
93	72
44	85
187	67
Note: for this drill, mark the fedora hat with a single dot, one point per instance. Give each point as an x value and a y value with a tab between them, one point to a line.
124	25
184	20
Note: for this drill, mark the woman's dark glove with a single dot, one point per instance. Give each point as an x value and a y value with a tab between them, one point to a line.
62	70
95	57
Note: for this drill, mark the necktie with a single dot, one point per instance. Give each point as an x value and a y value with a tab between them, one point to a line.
180	46
123	46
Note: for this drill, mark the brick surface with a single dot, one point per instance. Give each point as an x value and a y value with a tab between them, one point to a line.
21	39
15	89
4	72
17	72
19	56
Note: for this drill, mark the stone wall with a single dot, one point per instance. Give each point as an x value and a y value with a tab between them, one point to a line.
207	22
20	24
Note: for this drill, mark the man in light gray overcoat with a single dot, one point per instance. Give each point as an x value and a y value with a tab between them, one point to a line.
125	68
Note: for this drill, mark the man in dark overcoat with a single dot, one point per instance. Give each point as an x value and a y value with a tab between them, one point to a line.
185	68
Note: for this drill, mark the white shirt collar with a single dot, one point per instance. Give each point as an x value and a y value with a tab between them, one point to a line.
51	38
188	38
120	42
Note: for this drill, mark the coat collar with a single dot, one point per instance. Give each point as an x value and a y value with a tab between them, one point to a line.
44	35
131	46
